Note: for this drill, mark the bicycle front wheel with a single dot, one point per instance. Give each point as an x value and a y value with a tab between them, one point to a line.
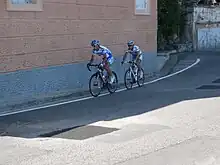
114	86
128	79
95	85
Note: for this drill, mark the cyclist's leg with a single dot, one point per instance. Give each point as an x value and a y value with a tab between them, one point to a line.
107	67
133	59
138	62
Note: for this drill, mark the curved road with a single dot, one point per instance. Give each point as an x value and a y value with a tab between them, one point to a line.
167	122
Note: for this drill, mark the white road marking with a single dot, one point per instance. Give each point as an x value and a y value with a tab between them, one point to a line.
104	94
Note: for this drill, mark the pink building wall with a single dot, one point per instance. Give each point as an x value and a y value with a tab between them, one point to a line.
61	33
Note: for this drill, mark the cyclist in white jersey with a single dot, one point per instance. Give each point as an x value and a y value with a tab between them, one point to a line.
106	55
135	52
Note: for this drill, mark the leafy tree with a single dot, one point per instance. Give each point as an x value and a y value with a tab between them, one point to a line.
170	19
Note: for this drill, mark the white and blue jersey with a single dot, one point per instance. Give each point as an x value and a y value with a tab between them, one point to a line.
134	52
104	51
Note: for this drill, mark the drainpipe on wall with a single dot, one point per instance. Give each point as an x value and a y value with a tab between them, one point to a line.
194	31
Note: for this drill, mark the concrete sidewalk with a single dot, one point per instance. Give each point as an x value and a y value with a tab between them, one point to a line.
177	134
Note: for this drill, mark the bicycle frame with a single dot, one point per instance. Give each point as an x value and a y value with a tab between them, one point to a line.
104	79
133	73
132	64
99	71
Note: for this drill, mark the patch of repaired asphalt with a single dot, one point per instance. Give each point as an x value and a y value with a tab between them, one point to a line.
80	132
57	132
212	87
216	81
132	131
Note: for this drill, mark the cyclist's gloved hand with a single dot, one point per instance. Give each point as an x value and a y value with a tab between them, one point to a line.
122	62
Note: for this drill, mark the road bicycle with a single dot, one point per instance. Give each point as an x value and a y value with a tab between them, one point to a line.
133	75
101	80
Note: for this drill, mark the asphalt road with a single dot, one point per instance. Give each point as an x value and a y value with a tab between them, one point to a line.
169	122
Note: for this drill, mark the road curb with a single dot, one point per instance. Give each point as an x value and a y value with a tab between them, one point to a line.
174	57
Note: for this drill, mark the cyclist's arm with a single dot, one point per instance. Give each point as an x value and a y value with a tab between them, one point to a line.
125	56
92	58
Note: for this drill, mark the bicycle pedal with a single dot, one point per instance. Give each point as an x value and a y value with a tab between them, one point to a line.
95	84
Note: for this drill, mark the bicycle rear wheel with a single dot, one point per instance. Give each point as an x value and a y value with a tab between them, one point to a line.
128	79
114	86
140	77
95	81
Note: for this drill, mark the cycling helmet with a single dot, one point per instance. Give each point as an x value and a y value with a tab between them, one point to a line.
95	42
130	43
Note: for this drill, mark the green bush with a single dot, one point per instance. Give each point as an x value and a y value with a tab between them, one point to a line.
170	19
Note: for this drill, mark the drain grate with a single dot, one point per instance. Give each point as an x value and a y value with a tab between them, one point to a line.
216	81
209	87
80	133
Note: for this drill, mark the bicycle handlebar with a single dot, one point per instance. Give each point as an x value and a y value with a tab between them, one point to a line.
95	65
88	67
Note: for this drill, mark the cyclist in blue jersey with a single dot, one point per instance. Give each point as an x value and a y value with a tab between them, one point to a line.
106	55
135	52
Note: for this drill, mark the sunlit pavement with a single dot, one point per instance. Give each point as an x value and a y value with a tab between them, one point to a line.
174	121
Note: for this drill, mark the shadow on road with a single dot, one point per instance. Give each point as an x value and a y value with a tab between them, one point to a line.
120	105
